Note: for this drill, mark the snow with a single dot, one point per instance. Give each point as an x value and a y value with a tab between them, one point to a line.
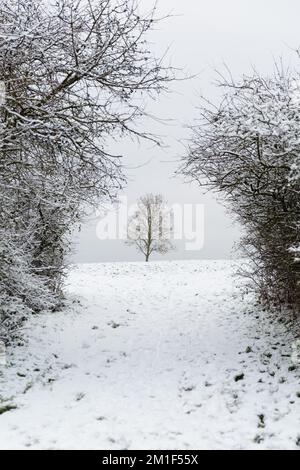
159	355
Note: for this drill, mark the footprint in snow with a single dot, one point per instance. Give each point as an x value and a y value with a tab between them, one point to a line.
131	312
114	325
189	388
80	396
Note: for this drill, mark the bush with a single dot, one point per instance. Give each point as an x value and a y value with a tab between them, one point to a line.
248	149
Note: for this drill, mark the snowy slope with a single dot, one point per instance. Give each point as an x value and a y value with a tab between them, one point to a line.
151	358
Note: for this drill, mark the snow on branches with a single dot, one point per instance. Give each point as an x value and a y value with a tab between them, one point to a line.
248	148
150	228
75	74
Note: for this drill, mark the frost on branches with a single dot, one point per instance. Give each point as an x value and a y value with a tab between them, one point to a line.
248	148
150	228
74	74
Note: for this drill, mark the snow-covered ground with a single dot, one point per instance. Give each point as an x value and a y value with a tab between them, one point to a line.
158	355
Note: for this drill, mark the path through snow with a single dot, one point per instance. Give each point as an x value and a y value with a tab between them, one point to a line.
158	355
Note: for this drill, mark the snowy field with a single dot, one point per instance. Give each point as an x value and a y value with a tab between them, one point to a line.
159	355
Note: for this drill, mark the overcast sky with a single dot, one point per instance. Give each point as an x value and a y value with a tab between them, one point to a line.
202	35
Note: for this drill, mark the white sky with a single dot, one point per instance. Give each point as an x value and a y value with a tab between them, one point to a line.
202	36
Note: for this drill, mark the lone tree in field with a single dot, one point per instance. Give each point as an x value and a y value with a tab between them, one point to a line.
150	228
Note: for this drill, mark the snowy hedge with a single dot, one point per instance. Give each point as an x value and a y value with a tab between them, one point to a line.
248	148
70	74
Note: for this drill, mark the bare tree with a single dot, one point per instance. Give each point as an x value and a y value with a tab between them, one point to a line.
150	228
